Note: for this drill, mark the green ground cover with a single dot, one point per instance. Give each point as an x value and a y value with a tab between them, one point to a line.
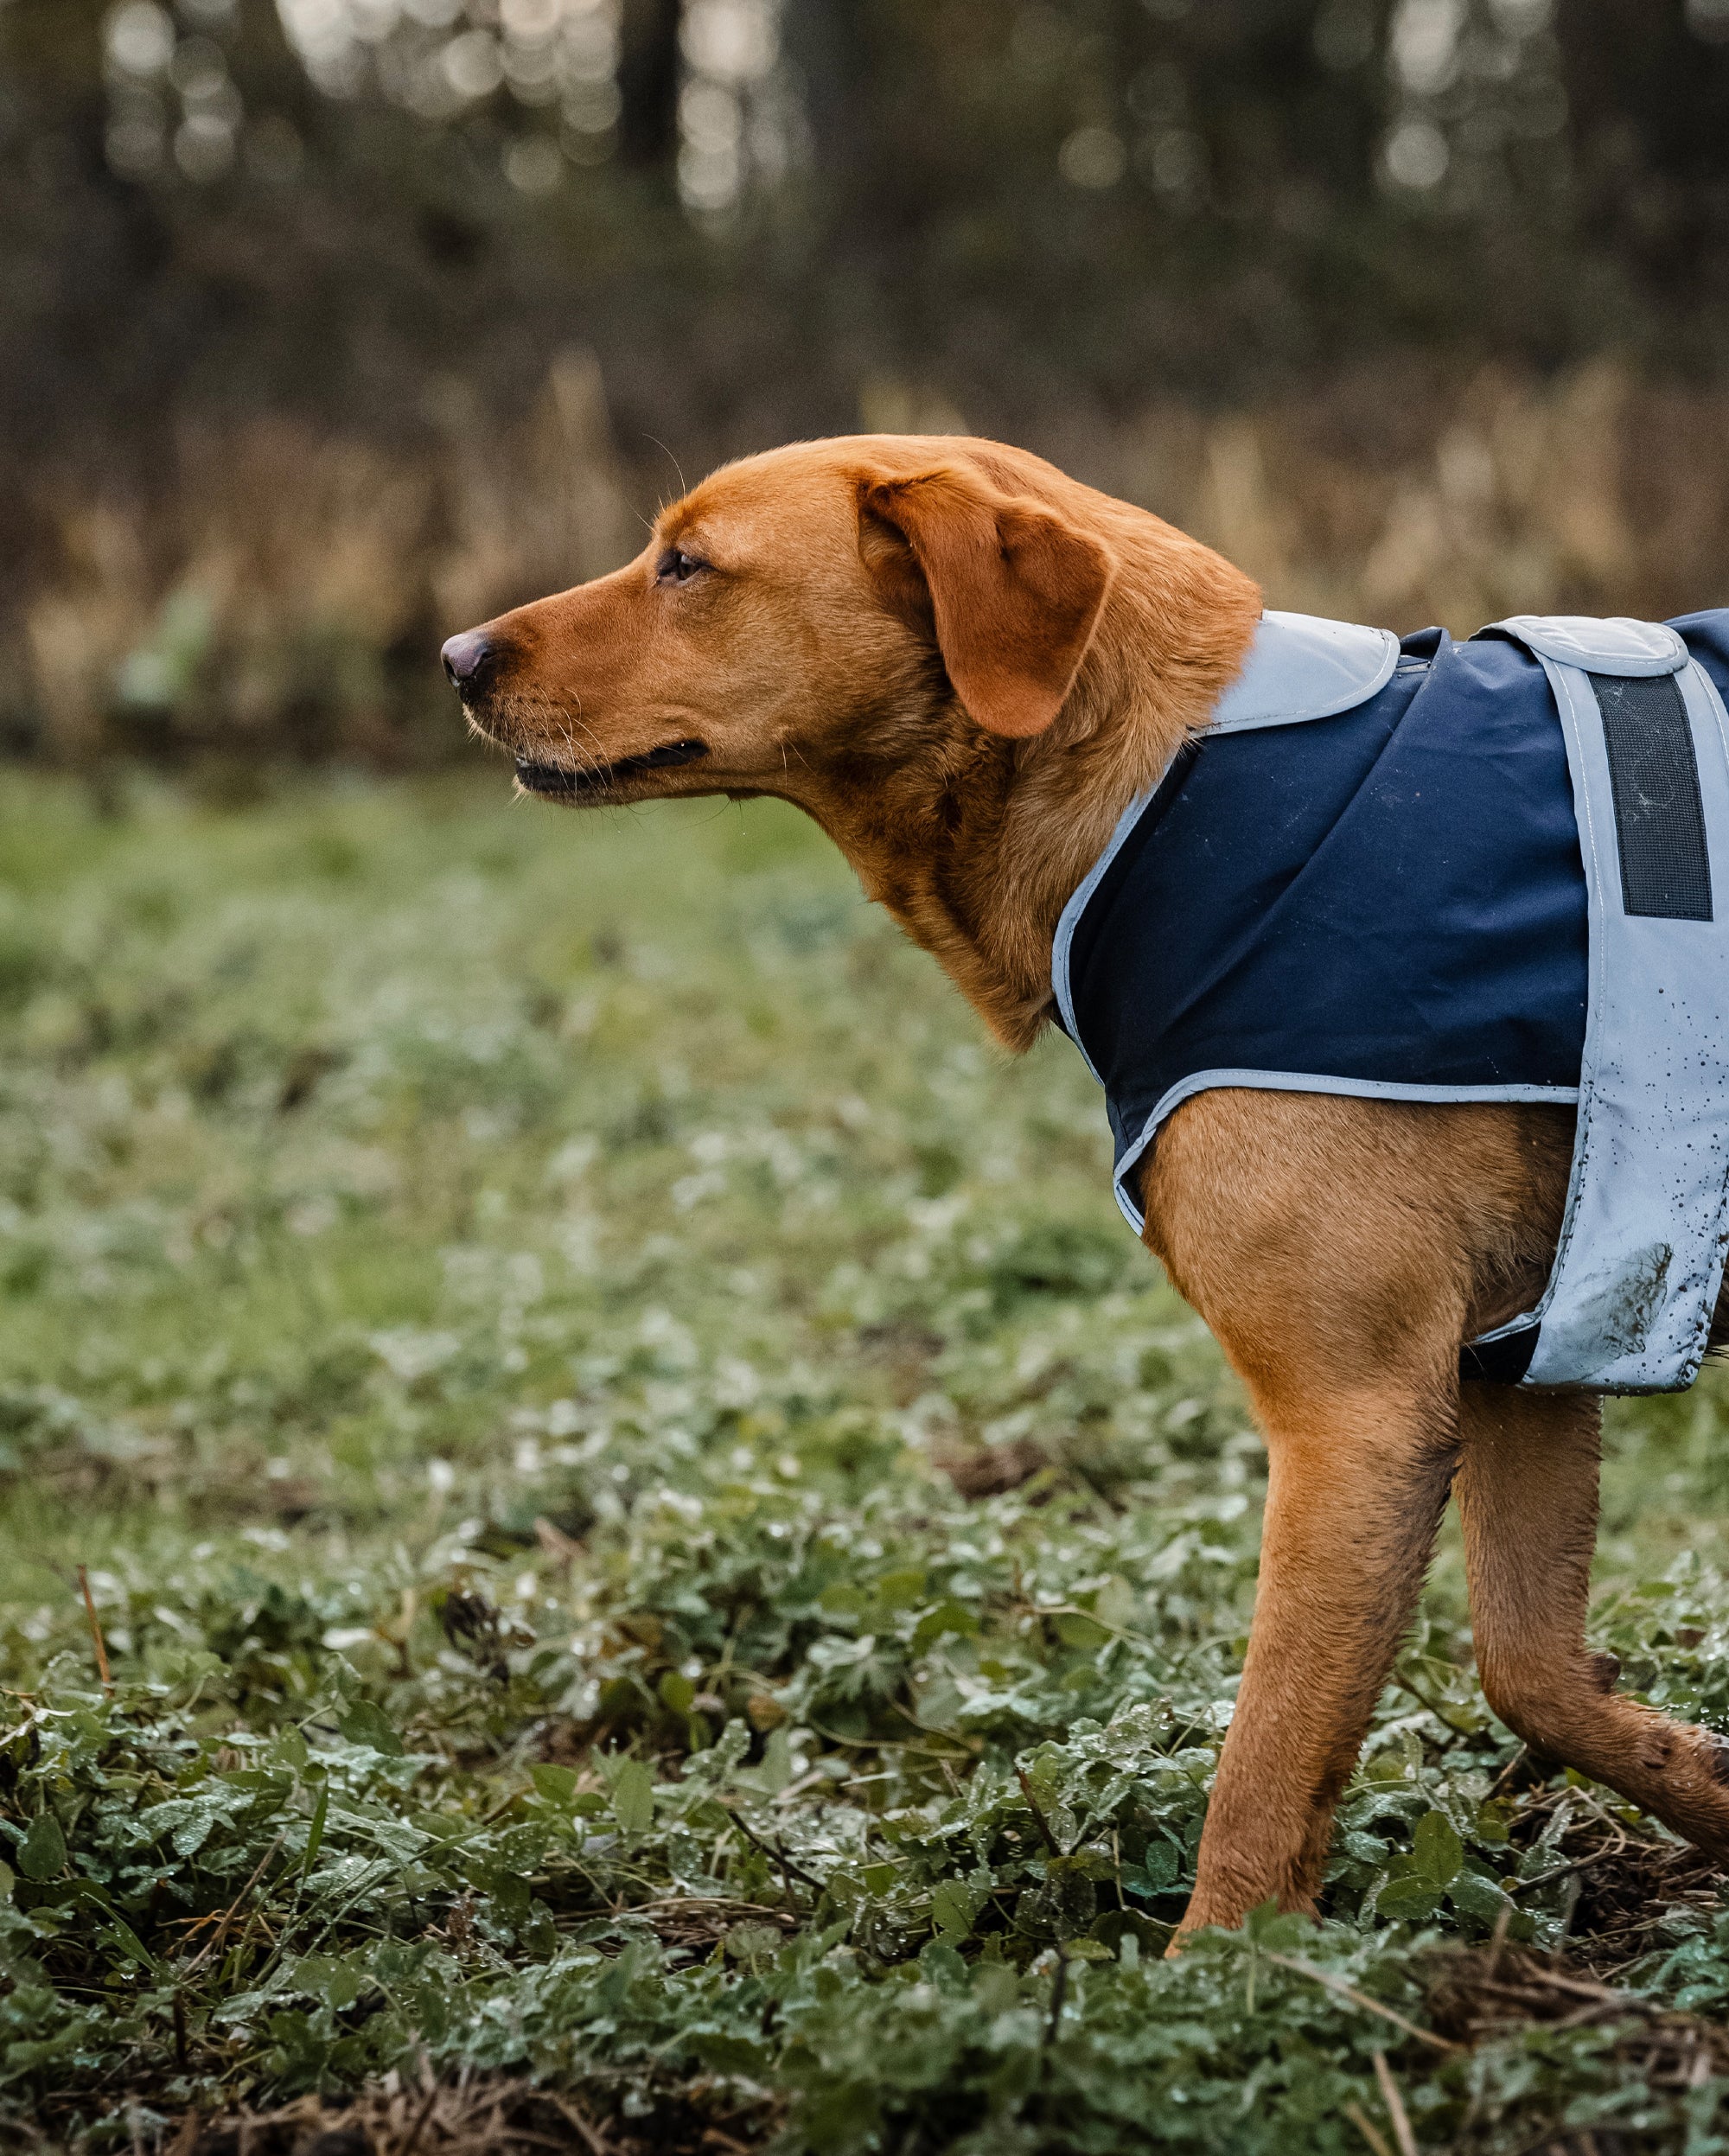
671	1570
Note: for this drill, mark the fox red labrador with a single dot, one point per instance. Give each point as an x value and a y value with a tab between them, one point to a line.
965	664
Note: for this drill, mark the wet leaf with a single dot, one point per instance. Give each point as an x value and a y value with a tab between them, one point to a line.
633	1798
41	1853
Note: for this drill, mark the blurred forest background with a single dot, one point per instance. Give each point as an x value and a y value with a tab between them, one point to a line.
330	325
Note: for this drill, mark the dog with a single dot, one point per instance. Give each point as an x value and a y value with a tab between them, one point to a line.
967	666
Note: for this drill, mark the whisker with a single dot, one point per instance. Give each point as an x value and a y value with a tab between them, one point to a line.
677	467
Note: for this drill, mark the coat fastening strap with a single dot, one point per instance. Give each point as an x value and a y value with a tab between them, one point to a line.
1628	1306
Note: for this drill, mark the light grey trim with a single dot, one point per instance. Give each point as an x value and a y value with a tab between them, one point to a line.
1629	1303
1309	1082
1069	920
1290	719
1615	644
1300	668
1513	1324
1591	797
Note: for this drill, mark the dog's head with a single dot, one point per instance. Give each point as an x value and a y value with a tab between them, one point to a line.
797	613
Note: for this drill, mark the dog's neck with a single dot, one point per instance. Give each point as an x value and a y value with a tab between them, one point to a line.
975	844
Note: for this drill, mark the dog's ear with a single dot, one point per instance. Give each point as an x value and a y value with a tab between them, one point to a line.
1011	591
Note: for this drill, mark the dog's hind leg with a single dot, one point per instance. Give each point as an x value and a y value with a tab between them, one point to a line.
1356	1488
1526	1488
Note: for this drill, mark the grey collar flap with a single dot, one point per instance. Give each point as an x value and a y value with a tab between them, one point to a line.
1299	666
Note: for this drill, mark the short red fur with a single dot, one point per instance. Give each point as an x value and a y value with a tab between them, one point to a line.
965	664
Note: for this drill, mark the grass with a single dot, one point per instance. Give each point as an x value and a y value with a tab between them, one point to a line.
671	1575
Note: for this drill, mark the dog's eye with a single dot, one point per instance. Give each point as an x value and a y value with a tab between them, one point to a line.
677	567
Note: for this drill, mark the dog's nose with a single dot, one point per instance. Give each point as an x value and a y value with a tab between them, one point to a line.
467	659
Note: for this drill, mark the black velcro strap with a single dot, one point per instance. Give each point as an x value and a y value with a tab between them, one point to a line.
1502	1362
1659	821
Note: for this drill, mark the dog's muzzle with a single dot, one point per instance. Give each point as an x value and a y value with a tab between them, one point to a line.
471	660
557	778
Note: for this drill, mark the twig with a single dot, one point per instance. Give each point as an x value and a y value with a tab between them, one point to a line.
420	2118
35	1715
805	1782
770	1849
1506	1774
556	1543
1361	1998
877	1743
1365	2125
1571	1894
1497	1940
925	1729
597	2146
1059	1993
1045	1834
1582	2016
95	1632
1560	1870
230	1912
1395	2107
1579	1988
1429	1706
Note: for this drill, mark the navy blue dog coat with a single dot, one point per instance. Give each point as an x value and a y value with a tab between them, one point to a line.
1495	871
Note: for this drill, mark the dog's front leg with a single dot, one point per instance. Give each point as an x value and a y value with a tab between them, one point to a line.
1301	1228
1357	1485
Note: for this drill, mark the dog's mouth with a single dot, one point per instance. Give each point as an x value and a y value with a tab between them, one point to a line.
567	782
